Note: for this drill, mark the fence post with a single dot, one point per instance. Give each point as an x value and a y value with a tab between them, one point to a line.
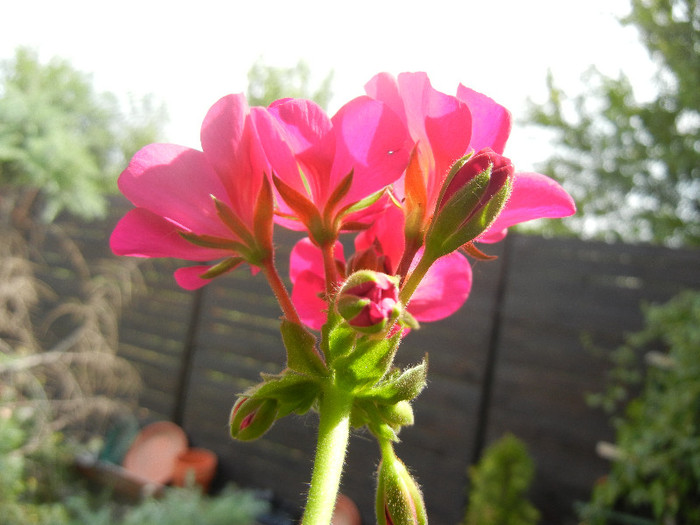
189	347
492	355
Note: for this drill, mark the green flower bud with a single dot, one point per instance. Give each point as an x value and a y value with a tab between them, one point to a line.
399	500
473	195
251	417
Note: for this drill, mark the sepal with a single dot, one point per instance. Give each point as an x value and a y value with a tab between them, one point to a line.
367	363
399	386
302	355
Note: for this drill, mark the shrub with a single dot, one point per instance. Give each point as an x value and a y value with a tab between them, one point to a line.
656	470
499	484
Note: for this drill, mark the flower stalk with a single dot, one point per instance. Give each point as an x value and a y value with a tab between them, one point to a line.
333	433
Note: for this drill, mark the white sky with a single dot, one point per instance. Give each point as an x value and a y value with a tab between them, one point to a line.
188	54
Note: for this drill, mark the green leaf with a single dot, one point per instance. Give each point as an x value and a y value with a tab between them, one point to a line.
302	355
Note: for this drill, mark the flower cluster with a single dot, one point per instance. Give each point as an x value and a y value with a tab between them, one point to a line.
417	176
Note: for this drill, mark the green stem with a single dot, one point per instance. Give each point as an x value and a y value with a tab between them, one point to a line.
333	435
415	278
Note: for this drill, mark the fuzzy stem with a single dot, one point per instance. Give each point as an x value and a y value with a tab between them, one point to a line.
280	291
333	435
415	278
328	250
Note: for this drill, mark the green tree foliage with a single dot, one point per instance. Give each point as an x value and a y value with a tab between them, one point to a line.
656	468
499	485
267	84
62	141
634	167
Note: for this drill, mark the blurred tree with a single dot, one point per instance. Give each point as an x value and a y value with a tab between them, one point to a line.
634	167
62	141
267	84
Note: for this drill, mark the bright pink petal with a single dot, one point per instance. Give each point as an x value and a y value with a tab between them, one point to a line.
190	277
306	256
384	87
304	130
306	296
232	148
372	142
141	233
388	232
177	183
443	290
444	121
534	196
491	122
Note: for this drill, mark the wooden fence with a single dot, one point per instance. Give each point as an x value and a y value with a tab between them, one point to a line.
511	360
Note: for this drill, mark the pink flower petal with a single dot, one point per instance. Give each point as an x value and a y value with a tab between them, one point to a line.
306	256
388	232
446	122
439	124
232	148
306	296
534	196
385	88
177	183
141	233
491	121
372	142
190	277
303	130
443	290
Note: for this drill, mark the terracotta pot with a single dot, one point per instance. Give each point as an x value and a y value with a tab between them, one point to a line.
153	453
201	462
346	512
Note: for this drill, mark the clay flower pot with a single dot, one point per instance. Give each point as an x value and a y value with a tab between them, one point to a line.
346	512
198	463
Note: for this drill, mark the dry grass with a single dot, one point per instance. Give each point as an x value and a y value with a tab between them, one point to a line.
73	381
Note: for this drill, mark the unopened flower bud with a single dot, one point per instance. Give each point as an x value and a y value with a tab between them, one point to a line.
369	301
473	194
252	417
399	500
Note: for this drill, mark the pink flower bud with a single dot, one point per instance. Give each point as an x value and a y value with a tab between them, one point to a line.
473	194
501	170
369	301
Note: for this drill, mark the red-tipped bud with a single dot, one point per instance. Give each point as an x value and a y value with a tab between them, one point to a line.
474	193
252	417
369	301
399	500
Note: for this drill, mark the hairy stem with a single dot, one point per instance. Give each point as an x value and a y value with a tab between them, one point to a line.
280	291
329	267
415	278
333	434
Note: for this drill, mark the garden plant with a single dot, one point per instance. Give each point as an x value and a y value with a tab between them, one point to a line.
417	176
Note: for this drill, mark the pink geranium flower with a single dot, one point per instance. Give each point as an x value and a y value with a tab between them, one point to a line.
204	205
323	166
444	129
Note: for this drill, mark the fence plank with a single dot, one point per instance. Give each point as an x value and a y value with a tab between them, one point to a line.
554	292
